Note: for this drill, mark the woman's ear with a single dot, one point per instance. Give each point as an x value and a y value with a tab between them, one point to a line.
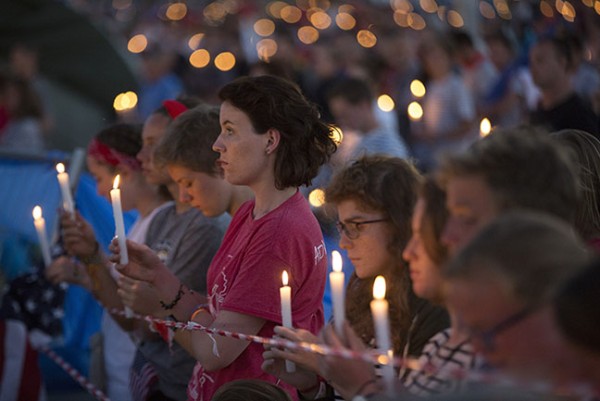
273	138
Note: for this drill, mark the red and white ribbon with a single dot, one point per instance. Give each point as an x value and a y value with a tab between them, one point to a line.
74	373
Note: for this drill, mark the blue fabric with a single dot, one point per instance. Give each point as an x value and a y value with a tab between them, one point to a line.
28	183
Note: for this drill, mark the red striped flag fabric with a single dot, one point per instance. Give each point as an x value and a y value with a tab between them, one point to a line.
20	376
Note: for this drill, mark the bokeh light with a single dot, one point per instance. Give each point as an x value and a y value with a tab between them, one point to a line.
336	134
264	27
485	127
225	61
176	11
415	111
429	6
316	198
401	19
455	19
416	22
385	102
346	8
291	14
274	8
137	43
417	88
266	48
320	20
546	9
195	41
215	12
125	101
487	10
308	35
200	58
366	38
345	21
403	6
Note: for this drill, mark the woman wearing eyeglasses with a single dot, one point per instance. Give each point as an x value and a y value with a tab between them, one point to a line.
374	197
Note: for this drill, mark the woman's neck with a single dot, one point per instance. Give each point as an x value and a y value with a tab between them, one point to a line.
458	334
269	198
239	195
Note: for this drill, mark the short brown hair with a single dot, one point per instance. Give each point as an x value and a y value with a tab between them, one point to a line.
523	167
532	253
434	220
189	139
586	153
272	102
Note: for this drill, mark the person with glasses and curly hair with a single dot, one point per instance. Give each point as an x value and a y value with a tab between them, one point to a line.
374	197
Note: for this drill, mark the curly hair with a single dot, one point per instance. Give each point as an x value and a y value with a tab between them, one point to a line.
387	185
274	103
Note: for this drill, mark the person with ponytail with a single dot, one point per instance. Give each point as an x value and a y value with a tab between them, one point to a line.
272	141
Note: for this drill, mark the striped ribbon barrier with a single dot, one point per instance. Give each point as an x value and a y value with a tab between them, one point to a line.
371	356
74	373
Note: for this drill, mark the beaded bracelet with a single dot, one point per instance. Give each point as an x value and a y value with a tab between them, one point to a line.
175	301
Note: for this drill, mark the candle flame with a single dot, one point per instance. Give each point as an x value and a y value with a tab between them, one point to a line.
37	212
336	261
60	168
116	181
284	278
379	288
485	127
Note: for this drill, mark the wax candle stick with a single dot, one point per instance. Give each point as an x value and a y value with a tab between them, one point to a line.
115	196
65	189
40	227
336	281
379	310
285	293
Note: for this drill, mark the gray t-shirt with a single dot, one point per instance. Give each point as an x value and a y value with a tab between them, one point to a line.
186	243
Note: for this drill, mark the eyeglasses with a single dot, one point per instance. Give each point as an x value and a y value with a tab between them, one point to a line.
352	228
487	337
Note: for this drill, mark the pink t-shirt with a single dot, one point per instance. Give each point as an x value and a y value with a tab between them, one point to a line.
245	277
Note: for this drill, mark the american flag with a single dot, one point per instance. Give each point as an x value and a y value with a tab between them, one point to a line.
20	377
142	378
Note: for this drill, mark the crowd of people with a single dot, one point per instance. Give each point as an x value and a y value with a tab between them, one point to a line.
488	244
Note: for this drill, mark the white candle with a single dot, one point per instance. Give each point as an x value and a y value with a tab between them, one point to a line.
336	281
65	189
285	293
115	196
379	310
40	227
